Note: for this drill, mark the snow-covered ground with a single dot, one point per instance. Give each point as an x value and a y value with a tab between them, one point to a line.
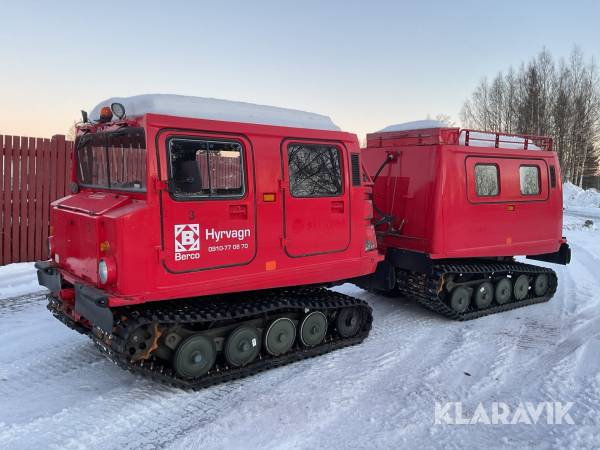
56	390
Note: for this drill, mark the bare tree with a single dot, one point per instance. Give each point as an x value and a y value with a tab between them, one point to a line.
543	98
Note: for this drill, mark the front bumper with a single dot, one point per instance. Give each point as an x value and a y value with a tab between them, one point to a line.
90	303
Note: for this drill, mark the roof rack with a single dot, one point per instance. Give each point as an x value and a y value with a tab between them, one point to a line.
458	136
479	138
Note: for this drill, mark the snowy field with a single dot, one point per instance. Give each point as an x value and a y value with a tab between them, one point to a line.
57	391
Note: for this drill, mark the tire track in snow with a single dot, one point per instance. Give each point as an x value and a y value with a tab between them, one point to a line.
16	304
383	389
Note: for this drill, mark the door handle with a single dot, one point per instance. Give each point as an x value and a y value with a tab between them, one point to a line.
238	212
337	206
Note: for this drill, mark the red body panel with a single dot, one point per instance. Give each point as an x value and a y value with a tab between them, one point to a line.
429	188
248	243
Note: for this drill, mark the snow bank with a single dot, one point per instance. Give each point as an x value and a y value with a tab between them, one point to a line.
489	140
415	125
215	109
574	196
576	223
18	279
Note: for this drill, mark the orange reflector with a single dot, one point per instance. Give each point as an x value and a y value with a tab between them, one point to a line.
105	114
510	208
508	240
271	265
269	197
104	246
51	230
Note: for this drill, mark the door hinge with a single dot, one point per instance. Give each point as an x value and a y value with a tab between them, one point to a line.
160	185
281	185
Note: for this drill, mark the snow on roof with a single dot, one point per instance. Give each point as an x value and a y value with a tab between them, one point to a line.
215	109
415	125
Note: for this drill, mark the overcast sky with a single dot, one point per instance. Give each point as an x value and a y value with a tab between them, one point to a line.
366	64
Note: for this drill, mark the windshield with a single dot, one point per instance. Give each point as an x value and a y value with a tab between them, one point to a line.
113	160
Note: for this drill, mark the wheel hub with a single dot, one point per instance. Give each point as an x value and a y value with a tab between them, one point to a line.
541	285
521	288
280	335
503	291
195	356
313	329
460	299
242	345
484	295
348	322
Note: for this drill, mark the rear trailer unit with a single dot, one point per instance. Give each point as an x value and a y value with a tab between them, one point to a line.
453	207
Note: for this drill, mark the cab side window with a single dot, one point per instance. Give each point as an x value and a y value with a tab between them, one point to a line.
206	169
315	170
487	182
529	177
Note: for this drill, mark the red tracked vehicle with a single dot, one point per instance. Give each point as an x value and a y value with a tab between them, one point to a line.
200	234
453	207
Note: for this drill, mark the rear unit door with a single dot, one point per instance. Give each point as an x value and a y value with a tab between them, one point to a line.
208	210
507	203
316	199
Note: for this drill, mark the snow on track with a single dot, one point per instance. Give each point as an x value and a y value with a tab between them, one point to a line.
58	391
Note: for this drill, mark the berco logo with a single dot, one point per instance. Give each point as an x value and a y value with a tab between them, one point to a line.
187	239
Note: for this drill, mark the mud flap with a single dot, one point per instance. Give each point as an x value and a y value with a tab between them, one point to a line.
48	276
92	304
562	256
383	279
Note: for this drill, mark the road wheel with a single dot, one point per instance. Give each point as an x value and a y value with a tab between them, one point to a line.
503	291
521	287
349	321
540	285
280	336
194	356
313	329
460	299
242	345
484	295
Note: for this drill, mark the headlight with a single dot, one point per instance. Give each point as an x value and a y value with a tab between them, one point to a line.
102	271
106	270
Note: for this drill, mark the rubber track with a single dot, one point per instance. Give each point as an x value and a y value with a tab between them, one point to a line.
212	313
425	288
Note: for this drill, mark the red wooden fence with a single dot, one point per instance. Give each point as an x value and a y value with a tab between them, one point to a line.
33	173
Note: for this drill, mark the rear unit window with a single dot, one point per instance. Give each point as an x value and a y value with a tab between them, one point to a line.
530	180
206	169
314	170
487	182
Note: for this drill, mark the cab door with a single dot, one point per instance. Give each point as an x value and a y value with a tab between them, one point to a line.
208	210
316	197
